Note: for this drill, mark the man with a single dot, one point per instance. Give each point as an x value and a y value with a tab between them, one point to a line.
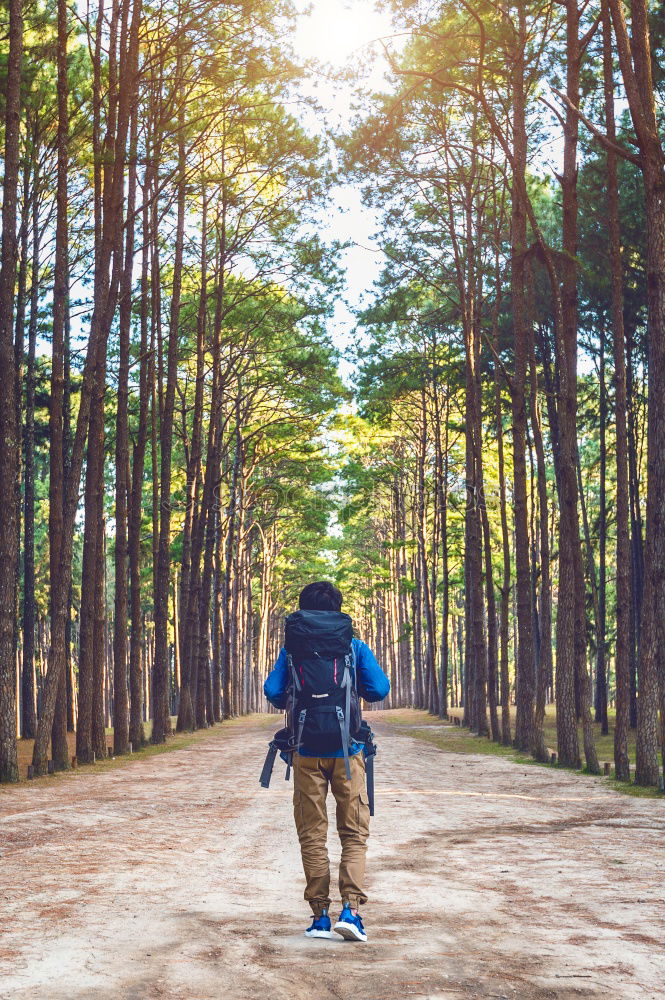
343	772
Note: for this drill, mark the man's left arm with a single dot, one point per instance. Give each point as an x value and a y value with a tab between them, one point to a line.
276	682
373	684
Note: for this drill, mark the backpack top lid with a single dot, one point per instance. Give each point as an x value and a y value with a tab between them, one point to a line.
326	633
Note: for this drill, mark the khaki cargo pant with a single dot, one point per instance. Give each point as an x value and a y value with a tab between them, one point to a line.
311	778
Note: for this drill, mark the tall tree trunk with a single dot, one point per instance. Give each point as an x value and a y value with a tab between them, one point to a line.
504	615
476	500
102	318
570	641
544	671
404	687
21	375
228	582
28	706
190	576
100	644
635	62
9	431
66	463
601	623
57	451
209	511
136	732
442	467
430	692
417	624
218	708
525	639
623	561
636	525
120	689
90	674
492	636
161	722
89	669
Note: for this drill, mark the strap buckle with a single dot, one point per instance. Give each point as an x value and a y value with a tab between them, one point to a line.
344	730
301	726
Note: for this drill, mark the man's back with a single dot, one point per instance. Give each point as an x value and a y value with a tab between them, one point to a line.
319	670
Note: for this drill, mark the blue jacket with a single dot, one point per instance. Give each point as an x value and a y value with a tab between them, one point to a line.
372	683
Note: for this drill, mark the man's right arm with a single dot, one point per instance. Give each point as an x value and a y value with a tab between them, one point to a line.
276	682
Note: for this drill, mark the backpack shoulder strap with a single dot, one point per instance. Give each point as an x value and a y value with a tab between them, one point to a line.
294	673
345	717
347	683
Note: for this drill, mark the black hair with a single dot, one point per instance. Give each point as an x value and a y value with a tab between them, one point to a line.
320	596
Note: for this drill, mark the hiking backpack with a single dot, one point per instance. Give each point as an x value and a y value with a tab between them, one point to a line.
322	704
323	708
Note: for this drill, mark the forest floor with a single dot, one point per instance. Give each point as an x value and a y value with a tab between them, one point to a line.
418	723
177	877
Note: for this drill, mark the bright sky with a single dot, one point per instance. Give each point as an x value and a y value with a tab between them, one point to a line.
334	30
336	33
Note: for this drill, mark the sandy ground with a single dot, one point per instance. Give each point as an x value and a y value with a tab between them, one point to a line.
178	877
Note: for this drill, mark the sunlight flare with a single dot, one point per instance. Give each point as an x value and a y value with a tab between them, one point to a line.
332	31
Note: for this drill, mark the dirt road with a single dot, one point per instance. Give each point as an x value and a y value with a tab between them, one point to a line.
178	877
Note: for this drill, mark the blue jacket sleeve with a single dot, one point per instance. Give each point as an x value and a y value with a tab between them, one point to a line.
373	685
276	682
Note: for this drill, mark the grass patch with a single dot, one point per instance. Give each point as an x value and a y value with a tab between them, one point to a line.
637	791
423	726
415	722
604	742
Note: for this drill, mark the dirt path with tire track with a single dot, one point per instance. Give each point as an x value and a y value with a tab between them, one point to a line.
177	877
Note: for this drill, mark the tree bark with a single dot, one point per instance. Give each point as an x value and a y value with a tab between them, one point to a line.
544	672
191	554
569	638
161	722
9	431
504	616
601	624
28	706
120	689
102	318
25	663
623	557
635	62
136	732
525	640
636	525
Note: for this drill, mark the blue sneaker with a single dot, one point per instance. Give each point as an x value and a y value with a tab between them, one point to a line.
350	927
320	927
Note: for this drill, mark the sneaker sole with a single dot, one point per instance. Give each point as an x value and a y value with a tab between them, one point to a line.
349	932
319	934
